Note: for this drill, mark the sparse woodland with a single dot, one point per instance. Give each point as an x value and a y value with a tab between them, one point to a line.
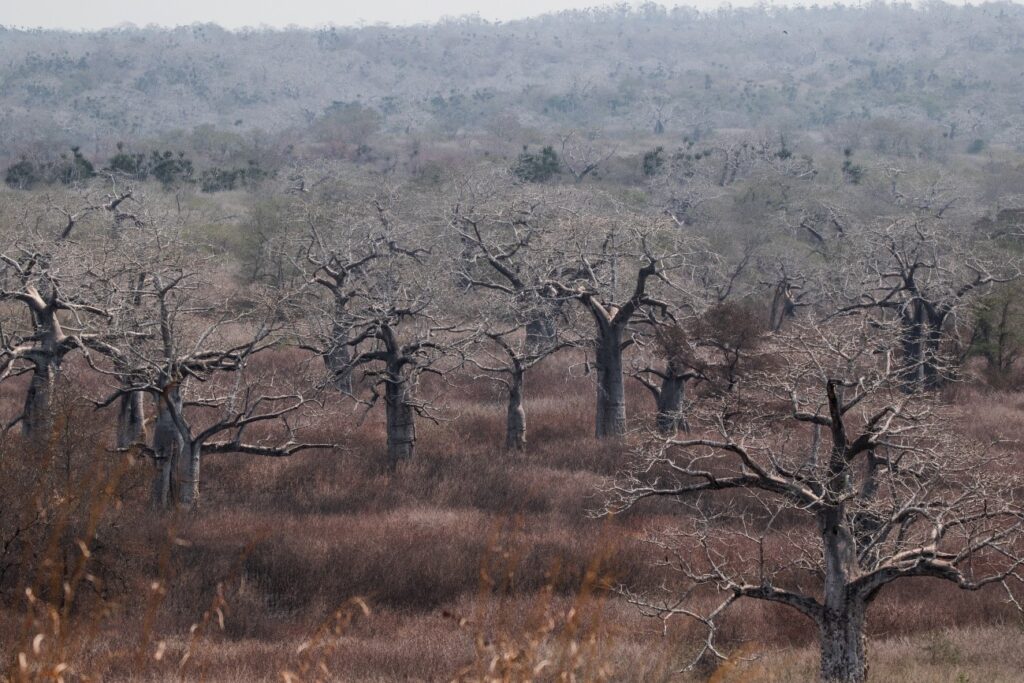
619	345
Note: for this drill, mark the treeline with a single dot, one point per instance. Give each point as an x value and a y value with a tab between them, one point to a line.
623	71
168	168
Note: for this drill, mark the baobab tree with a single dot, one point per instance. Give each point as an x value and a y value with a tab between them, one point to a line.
397	340
342	240
924	275
192	341
397	316
508	360
892	490
61	282
596	259
508	234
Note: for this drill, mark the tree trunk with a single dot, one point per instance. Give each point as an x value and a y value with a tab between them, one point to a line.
515	425
841	634
168	449
338	362
188	485
131	417
841	622
670	403
922	342
401	418
611	397
38	415
541	333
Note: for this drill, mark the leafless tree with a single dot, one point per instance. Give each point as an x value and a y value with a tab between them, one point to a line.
596	259
179	346
59	276
847	484
923	274
343	238
508	360
508	234
582	155
399	316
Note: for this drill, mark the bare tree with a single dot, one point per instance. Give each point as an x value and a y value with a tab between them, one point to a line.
514	356
61	282
508	233
923	275
892	490
343	239
399	322
179	345
581	154
596	260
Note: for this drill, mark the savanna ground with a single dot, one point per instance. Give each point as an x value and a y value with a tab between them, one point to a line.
468	563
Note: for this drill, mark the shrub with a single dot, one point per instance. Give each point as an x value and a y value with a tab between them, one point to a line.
537	167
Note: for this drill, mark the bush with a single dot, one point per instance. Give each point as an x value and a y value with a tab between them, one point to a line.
537	168
653	161
22	175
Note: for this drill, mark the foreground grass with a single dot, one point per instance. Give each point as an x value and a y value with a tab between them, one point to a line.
474	565
960	655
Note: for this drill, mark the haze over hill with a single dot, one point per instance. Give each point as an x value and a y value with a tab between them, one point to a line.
617	71
100	14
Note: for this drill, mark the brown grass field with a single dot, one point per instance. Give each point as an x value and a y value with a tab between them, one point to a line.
466	564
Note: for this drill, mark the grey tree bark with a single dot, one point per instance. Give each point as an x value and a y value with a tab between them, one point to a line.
169	448
669	400
37	422
131	419
338	361
541	333
611	395
401	416
842	643
515	423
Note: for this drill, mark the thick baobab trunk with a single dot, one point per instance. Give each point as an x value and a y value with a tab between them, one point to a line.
669	401
168	449
611	396
841	634
515	425
401	418
38	415
188	485
131	418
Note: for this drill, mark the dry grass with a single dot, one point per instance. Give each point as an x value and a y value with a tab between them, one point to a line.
474	564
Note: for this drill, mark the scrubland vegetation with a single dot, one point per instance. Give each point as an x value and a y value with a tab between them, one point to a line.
625	345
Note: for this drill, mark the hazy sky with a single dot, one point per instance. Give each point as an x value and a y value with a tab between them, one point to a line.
91	14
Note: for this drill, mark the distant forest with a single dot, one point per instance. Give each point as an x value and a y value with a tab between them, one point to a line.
926	81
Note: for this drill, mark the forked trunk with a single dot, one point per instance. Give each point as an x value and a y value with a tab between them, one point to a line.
611	396
515	425
401	418
131	418
841	634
